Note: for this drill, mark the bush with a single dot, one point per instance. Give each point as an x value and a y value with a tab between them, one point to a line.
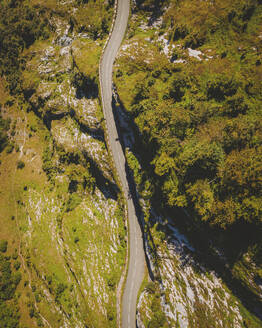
15	255
110	314
150	287
20	165
9	148
49	279
47	160
4	126
111	282
32	312
33	128
73	202
61	287
39	322
37	297
3	246
17	265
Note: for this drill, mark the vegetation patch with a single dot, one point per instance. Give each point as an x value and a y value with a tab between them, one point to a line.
194	95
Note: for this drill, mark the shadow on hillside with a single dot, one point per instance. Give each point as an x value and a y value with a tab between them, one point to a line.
132	189
235	245
199	234
108	188
97	134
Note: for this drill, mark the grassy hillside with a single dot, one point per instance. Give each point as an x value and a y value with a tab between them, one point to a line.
61	211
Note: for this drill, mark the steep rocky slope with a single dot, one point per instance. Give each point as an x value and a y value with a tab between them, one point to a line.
62	214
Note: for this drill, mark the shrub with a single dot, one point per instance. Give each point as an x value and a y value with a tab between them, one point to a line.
150	287
4	126
73	202
37	297
61	287
110	314
3	246
111	282
32	312
17	265
47	160
49	279
20	165
15	255
9	148
39	322
33	128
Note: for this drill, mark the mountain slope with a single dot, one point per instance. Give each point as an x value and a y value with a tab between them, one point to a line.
189	81
62	215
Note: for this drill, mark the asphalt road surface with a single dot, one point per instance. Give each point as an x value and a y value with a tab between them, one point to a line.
136	252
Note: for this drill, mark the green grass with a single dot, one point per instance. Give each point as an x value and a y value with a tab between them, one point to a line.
76	272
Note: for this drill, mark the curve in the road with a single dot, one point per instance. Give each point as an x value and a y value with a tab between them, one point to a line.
136	252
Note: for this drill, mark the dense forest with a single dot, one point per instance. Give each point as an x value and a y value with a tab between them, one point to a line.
202	120
23	22
20	26
198	114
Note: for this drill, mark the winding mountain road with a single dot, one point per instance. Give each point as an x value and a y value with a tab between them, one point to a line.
136	252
